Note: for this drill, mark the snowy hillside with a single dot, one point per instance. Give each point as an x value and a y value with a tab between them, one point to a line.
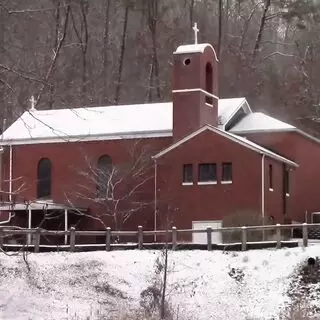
201	284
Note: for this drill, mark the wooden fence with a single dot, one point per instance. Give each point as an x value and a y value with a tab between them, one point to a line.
171	236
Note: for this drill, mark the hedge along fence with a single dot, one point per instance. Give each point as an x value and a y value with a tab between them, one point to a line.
249	218
140	234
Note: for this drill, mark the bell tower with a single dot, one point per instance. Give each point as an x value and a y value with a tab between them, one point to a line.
195	87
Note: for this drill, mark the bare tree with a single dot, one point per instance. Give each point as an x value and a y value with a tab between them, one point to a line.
105	66
80	27
61	38
267	4
117	190
153	17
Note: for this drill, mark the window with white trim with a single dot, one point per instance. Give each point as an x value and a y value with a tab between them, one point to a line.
187	173
226	172
270	177
286	182
44	178
207	172
209	83
104	173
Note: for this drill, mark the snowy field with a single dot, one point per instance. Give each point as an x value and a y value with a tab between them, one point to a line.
81	285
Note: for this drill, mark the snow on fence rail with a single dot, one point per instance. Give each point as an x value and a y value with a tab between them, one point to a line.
171	234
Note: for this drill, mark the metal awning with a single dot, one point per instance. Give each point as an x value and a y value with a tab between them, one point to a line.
36	205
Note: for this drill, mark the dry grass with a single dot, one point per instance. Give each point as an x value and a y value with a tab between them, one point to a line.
300	310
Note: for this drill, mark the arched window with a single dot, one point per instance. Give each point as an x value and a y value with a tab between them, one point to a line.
44	178
209	82
103	175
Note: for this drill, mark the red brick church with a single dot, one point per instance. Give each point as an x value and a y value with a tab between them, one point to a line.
191	161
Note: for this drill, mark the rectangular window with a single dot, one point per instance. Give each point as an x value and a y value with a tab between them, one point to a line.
270	177
187	173
207	172
286	182
226	172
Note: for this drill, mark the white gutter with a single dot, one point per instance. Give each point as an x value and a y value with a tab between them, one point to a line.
155	199
10	174
263	195
262	188
10	186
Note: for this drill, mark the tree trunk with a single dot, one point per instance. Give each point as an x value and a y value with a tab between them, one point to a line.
191	12
104	94
2	83
261	28
152	21
84	49
164	285
156	64
220	29
122	52
150	83
56	53
56	39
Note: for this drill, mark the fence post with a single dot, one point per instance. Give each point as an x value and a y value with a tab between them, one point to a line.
209	238
140	237
278	235
305	234
244	238
37	240
72	239
108	239
1	237
174	238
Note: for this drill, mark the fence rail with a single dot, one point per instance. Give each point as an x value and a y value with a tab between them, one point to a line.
170	235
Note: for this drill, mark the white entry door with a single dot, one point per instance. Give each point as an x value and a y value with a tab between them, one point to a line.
202	237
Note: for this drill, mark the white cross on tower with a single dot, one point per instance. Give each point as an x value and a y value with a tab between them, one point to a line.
196	30
33	102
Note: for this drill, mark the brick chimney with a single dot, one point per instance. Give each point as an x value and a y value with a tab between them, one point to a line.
195	88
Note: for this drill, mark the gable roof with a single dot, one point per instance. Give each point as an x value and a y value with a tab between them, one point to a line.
101	123
237	139
258	121
92	123
229	107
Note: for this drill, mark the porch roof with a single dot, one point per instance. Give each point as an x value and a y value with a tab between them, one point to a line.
36	205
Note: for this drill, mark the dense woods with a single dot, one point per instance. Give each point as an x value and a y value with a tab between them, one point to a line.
70	53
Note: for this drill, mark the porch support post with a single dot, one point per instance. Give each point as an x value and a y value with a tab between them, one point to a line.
66	225
29	225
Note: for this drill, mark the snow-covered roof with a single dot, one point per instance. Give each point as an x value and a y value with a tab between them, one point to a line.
194	48
258	121
101	123
228	107
92	123
235	138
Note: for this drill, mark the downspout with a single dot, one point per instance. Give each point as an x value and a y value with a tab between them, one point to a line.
155	199
263	194
10	174
10	184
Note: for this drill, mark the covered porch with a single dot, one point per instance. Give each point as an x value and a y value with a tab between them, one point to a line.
43	214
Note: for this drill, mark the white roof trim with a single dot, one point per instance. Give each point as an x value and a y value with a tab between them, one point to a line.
306	135
195	48
241	132
240	140
98	137
196	89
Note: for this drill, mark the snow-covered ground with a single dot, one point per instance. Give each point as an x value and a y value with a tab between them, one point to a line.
78	285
